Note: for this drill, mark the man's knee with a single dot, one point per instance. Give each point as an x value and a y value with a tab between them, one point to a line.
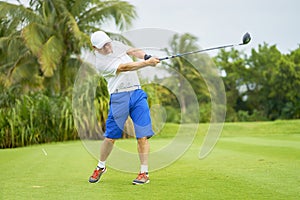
110	140
142	140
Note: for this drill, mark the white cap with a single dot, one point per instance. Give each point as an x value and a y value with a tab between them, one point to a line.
99	39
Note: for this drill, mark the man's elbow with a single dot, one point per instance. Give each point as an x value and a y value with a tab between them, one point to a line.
123	68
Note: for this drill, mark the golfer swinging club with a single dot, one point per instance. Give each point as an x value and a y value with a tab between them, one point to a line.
126	99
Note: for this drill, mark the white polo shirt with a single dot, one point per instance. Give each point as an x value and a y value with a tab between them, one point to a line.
107	66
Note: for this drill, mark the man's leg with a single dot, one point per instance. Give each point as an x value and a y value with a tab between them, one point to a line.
143	150
116	118
140	115
105	150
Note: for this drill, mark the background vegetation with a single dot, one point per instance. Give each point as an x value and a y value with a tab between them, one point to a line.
40	55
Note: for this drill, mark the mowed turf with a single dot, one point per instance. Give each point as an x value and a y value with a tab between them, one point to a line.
259	160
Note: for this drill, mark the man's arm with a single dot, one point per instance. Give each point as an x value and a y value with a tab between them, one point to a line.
138	53
131	66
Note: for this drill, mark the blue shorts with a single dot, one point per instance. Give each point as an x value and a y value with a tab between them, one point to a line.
124	104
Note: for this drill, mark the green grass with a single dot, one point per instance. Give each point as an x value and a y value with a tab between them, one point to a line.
258	160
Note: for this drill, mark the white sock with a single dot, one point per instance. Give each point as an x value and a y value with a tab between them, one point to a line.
101	164
144	168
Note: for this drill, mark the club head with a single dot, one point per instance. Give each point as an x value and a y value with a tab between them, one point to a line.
246	38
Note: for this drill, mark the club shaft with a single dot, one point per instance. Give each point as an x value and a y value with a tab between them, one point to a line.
199	51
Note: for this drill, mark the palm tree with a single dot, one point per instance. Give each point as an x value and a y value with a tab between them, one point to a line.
185	69
41	45
13	52
50	35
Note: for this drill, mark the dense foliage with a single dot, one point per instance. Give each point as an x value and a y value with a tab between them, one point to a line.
263	85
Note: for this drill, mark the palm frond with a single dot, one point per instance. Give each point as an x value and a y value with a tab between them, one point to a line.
35	36
8	26
24	68
77	7
51	53
8	54
82	38
120	11
19	12
4	42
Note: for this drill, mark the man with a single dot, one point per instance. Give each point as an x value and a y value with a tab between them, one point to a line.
126	99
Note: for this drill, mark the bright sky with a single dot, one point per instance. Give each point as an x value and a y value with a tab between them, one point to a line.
221	22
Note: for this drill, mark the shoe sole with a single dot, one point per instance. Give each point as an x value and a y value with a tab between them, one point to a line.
135	183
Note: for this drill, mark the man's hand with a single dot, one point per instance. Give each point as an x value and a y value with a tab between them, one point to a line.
152	61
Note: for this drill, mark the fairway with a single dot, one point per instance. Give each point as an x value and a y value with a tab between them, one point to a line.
259	160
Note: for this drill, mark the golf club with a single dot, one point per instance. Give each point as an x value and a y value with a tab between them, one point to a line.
245	40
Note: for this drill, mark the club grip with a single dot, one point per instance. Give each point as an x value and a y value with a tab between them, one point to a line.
169	57
165	58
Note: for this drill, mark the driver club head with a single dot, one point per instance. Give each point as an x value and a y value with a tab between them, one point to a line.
246	38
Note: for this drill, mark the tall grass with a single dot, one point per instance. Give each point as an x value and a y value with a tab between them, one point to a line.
36	119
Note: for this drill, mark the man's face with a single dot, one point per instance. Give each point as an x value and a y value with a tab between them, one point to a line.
105	50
